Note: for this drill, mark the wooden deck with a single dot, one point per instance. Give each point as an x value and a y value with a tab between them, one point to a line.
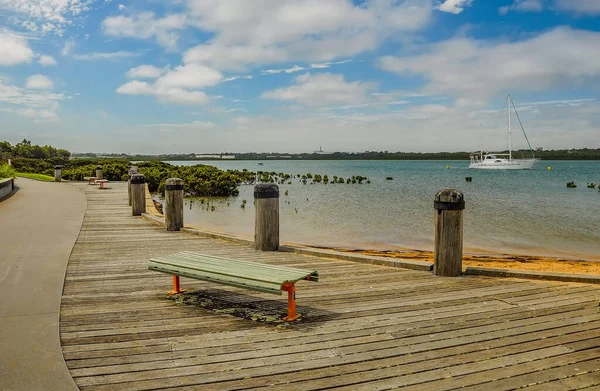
365	327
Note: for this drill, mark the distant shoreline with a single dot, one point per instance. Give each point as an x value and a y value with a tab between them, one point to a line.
561	154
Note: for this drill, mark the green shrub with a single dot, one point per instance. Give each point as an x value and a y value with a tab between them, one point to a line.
6	171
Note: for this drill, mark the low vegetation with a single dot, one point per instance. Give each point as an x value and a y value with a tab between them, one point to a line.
6	171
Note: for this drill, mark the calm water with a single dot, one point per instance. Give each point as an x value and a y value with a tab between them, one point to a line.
526	212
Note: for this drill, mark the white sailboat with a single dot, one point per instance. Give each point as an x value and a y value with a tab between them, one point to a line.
504	161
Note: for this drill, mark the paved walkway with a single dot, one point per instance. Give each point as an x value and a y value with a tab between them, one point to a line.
38	227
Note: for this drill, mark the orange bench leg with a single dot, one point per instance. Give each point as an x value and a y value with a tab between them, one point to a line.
176	287
291	290
101	185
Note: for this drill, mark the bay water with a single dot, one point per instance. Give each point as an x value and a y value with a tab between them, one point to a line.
529	212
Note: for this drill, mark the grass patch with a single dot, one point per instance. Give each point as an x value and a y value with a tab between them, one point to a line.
37	177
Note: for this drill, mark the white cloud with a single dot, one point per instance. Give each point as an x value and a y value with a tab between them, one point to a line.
39	82
39	115
14	49
523	6
146	26
297	68
580	7
136	87
322	89
39	105
144	72
177	86
577	7
181	96
247	34
68	46
234	57
190	76
121	7
45	16
411	128
232	78
105	55
454	6
477	70
178	127
46	61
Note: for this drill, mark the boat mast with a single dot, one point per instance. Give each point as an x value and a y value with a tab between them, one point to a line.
481	141
509	132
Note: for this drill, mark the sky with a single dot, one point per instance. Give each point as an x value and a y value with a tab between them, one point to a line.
210	76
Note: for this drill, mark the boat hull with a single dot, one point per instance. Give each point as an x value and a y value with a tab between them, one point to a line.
524	164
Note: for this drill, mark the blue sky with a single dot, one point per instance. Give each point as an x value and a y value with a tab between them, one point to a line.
206	76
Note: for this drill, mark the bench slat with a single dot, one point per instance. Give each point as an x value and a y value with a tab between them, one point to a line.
243	274
282	269
228	267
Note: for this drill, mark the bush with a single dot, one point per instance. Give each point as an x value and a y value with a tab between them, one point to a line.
6	171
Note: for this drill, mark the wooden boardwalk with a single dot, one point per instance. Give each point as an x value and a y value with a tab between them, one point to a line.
365	327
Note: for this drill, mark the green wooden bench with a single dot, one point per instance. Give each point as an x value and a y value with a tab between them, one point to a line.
241	274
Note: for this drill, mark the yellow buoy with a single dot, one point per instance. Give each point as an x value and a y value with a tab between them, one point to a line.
549	168
448	166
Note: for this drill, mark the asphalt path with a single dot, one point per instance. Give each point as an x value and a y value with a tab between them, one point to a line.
39	225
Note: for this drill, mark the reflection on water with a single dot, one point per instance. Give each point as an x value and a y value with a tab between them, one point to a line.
528	212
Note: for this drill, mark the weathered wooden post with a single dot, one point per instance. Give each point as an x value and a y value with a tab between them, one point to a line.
173	204
266	217
138	194
99	172
132	170
57	173
449	205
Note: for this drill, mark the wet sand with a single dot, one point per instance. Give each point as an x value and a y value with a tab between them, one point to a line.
514	262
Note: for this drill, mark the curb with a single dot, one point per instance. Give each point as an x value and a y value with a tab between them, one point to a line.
531	275
373	260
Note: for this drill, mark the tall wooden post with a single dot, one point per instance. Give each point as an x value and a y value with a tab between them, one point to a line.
449	205
99	172
57	173
138	194
173	204
132	170
266	217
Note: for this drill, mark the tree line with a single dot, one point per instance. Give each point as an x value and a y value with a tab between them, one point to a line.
26	150
559	154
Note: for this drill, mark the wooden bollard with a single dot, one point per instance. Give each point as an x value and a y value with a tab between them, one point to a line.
99	172
138	194
449	205
266	217
173	204
132	170
57	173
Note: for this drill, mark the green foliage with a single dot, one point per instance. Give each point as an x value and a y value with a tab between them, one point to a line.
6	171
26	150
